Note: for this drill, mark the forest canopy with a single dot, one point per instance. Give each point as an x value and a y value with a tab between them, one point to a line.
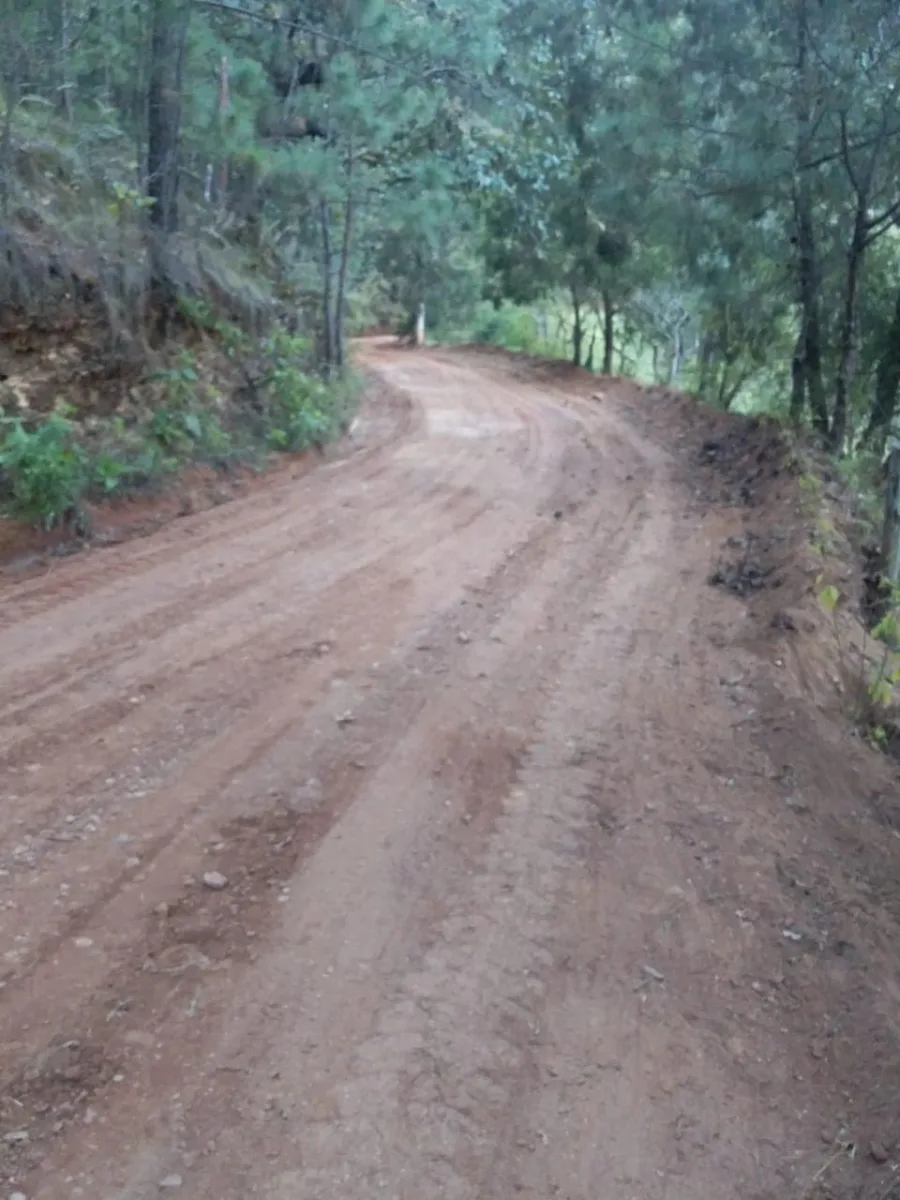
705	190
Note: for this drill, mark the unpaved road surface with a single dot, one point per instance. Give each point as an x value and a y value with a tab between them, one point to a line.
505	893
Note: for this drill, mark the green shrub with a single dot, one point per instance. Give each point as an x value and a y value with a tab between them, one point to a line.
869	679
48	465
508	326
301	409
123	459
45	468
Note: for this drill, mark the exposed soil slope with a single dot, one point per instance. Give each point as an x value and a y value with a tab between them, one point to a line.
535	864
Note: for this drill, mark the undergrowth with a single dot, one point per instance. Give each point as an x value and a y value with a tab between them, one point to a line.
866	633
52	466
869	669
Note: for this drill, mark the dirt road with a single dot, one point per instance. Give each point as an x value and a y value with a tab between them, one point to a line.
505	894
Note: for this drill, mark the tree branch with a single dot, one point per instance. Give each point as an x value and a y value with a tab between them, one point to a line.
424	75
248	14
846	156
876	226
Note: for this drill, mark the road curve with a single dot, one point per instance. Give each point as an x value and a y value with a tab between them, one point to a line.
440	726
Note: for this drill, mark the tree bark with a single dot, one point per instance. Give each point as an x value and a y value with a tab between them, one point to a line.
340	302
577	328
589	361
807	257
328	330
810	319
10	85
846	369
706	363
890	534
677	353
609	332
798	382
168	39
59	22
887	383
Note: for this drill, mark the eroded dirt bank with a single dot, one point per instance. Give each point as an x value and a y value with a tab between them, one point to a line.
532	866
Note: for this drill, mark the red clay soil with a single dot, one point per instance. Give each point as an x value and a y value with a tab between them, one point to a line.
430	825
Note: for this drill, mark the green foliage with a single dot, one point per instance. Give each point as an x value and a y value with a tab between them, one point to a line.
50	466
507	326
829	597
870	676
639	153
233	340
643	161
126	200
44	469
180	381
298	404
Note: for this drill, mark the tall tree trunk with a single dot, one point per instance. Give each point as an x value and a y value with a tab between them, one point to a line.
224	104
677	354
59	30
798	382
328	330
577	328
890	533
846	370
168	39
341	298
609	332
810	319
244	200
589	361
706	361
805	235
887	383
10	83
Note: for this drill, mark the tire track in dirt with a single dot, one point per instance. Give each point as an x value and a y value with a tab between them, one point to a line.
453	1040
81	920
175	647
552	536
477	755
185	644
288	698
248	585
498	844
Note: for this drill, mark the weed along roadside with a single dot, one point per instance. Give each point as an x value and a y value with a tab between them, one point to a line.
225	403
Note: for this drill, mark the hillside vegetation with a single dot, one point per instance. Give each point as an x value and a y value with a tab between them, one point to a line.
202	200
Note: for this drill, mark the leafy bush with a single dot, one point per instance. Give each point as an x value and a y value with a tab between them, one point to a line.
302	410
510	327
126	458
45	468
49	465
187	423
